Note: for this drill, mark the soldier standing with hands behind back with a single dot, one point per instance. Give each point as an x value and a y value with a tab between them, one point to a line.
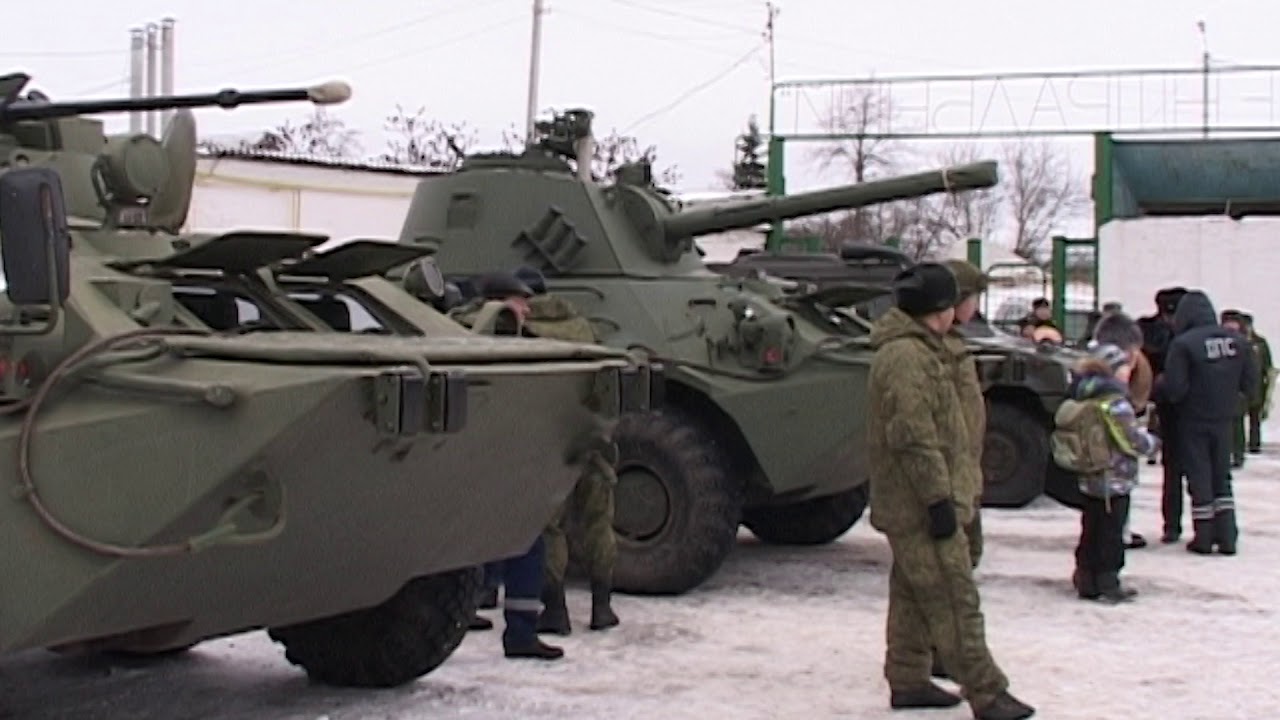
921	494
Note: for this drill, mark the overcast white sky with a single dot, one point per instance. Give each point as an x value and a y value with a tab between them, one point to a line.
634	62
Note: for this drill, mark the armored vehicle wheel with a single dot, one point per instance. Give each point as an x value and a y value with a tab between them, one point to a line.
677	505
811	522
1015	456
404	638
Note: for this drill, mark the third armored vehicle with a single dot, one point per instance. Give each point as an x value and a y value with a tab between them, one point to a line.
196	452
1024	383
763	418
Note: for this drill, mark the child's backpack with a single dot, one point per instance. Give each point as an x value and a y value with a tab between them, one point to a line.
1083	436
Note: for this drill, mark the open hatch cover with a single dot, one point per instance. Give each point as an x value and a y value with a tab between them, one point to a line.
355	259
235	252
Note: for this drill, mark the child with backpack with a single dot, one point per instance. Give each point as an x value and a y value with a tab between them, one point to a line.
1097	435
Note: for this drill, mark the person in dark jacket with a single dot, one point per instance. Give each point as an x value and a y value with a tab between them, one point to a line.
1206	369
1157	333
1233	320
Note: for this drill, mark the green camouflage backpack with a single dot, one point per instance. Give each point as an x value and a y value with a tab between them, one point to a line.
1082	436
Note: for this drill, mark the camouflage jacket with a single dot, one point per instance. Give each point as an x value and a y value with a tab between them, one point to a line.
973	404
1262	361
918	437
557	318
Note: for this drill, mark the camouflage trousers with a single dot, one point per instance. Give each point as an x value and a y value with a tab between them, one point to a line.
591	505
933	603
973	532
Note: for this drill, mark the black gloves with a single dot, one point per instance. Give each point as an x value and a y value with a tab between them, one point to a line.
942	520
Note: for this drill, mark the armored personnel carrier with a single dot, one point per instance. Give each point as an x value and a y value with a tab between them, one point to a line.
1024	382
196	453
762	421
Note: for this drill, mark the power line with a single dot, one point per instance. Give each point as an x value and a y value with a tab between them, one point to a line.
693	90
435	46
674	39
808	39
264	61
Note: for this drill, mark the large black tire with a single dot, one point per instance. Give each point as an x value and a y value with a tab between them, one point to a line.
389	644
1015	456
812	522
677	505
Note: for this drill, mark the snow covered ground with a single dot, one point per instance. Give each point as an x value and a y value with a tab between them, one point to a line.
788	633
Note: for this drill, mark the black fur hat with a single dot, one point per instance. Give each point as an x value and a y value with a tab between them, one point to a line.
925	288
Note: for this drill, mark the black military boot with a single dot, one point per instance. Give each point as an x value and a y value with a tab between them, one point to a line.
1202	543
555	614
602	615
1111	590
1004	707
1086	584
929	696
533	649
1225	532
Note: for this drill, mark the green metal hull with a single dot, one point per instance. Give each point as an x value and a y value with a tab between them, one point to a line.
362	514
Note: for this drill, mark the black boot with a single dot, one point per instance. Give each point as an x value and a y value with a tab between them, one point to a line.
1111	590
1004	707
1225	532
1136	542
555	614
480	622
1202	543
929	696
602	615
1086	584
533	649
520	640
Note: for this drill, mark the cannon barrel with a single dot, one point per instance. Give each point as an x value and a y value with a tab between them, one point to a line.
736	214
14	110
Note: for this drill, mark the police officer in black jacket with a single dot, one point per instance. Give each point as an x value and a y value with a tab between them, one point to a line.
1206	369
1157	333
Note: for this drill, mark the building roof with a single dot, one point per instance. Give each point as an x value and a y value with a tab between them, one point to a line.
1230	176
360	165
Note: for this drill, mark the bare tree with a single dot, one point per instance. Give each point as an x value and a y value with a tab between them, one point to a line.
857	113
1041	191
320	135
419	140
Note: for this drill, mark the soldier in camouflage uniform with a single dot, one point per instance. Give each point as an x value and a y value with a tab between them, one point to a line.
971	283
591	502
922	469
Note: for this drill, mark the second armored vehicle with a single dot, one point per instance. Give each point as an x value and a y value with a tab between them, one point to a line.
1024	383
763	420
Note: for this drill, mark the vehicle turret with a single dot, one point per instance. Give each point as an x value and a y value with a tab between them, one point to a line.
562	221
125	180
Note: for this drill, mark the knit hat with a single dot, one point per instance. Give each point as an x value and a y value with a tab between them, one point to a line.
500	286
1167	299
1113	355
925	288
969	277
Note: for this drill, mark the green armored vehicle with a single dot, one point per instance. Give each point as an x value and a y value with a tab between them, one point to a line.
196	452
762	423
1024	382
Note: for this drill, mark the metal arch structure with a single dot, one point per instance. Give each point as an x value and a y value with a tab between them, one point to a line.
1098	104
